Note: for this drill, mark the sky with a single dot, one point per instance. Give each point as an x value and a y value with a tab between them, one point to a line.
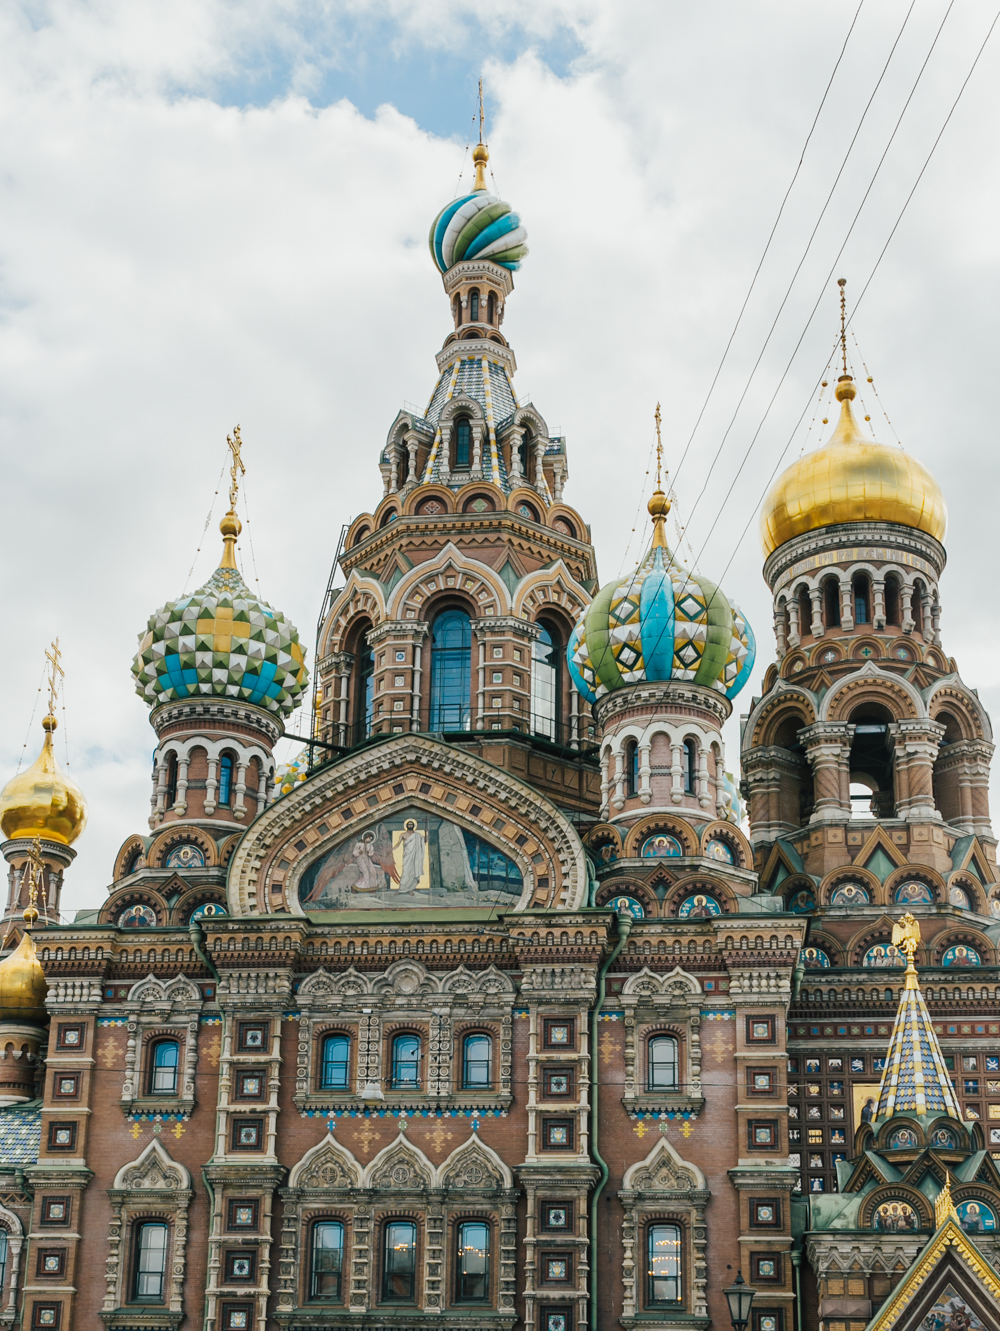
216	213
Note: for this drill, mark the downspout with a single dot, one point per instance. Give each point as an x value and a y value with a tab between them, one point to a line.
624	929
211	1221
591	881
797	1268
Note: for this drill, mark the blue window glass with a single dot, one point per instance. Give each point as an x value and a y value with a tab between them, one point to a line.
366	691
327	1260
451	655
690	767
166	1058
631	769
336	1062
171	779
150	1262
406	1063
477	1063
463	443
225	778
545	656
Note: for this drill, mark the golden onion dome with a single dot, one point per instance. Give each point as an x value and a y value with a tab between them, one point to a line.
852	479
43	801
22	984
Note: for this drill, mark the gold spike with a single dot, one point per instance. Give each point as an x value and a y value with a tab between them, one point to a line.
480	153
230	526
659	504
906	936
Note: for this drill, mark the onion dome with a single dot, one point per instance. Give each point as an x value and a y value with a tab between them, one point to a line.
660	623
478	226
291	774
221	642
43	801
852	479
22	984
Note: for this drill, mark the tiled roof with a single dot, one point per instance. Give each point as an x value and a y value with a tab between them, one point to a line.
915	1079
20	1133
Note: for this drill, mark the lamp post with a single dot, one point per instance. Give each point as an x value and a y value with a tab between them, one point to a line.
739	1296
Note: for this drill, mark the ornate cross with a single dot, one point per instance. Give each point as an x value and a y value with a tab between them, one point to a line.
237	469
56	673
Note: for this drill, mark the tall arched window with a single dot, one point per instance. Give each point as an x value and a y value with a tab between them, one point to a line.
661	1063
524	454
472	1262
463	444
171	779
805	611
690	767
150	1262
3	1258
326	1260
491	309
406	1063
545	660
477	1063
451	652
631	769
458	311
365	696
225	778
163	1067
862	598
474	306
892	601
399	1261
831	603
917	607
336	1063
663	1285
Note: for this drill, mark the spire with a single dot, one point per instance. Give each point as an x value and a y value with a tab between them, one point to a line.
230	526
480	153
659	504
915	1080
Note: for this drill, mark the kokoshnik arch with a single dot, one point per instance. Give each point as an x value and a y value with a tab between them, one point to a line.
497	1013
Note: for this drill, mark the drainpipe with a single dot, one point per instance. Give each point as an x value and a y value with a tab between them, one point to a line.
797	1268
211	1221
624	929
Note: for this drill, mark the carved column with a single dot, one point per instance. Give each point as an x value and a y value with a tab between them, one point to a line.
816	602
644	791
846	605
794	628
906	608
916	749
412	444
878	603
828	749
780	631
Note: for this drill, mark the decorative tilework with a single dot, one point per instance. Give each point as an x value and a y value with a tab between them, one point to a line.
20	1134
915	1078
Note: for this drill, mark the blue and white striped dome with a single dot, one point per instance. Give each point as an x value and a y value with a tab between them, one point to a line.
478	226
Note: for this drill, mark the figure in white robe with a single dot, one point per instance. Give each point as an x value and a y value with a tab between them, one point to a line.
411	877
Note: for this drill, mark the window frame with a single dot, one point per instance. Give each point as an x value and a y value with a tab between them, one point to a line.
139	1228
652	1225
467	1084
157	1043
690	767
327	1038
229	1256
314	1227
226	769
669	1038
631	768
486	1298
450	685
388	1225
549	727
463	442
395	1082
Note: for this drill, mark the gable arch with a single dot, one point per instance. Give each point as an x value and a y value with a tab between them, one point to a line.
327	1165
413	587
872	685
664	1170
400	1167
785	702
672	824
475	1167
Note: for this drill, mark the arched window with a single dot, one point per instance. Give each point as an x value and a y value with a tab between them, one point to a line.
336	1063
3	1258
406	1063
399	1261
664	1265
917	607
690	767
458	311
661	1061
892	600
472	1262
365	695
491	309
474	306
631	769
171	778
150	1262
326	1260
163	1067
225	778
805	611
831	603
451	652
524	453
545	659
862	587
463	444
477	1063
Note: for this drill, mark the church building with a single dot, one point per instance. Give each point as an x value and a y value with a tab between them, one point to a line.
499	1009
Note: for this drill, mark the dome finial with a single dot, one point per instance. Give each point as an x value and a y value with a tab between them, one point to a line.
659	504
845	391
230	526
480	153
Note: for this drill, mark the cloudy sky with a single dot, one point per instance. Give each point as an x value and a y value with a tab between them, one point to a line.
216	212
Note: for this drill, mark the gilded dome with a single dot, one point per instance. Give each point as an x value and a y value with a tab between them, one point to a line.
852	479
43	801
22	984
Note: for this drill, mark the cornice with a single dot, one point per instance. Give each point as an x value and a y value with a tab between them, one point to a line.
857	542
654	695
216	714
474	348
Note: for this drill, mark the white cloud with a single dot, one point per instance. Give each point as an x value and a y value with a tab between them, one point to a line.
171	263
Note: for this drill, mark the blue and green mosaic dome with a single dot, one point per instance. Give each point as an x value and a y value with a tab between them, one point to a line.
221	642
660	623
478	226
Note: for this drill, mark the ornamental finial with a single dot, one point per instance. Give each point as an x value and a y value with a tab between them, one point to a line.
230	526
480	153
659	504
944	1205
906	936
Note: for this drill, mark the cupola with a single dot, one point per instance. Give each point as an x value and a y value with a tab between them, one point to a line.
43	801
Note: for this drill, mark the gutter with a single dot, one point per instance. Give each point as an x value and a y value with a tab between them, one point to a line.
624	929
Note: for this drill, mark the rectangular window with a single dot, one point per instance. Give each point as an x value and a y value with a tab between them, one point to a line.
760	1030
150	1262
662	1063
51	1262
477	1063
762	1134
70	1037
62	1136
164	1066
557	1268
46	1316
472	1260
663	1253
55	1211
406	1063
557	1216
557	1033
766	1266
243	1214
240	1267
247	1134
253	1036
760	1081
66	1086
326	1260
336	1063
557	1134
557	1083
765	1212
399	1261
251	1085
237	1316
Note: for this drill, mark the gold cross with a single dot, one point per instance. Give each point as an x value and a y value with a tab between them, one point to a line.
482	115
659	446
367	1135
640	1129
607	1046
842	283
135	1129
55	673
178	1129
34	869
109	1051
439	1137
687	1129
214	1050
720	1046
237	469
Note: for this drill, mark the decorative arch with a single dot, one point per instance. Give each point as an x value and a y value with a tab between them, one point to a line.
661	822
414	503
949	938
721	830
328	1166
871	935
850	873
825	942
629	888
604	836
894	1192
154	1185
361	596
950	695
400	1167
133	846
569	518
785	702
176	834
649	984
695	885
563	593
474	1167
920	873
134	896
414	590
872	685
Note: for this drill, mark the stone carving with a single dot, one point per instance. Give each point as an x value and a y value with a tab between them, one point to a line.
646	983
400	1167
152	991
474	1166
153	1170
328	1165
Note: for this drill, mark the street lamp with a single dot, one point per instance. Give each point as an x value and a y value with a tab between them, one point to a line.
739	1296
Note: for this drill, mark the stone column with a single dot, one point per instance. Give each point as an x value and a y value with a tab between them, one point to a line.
677	772
180	804
772	782
412	444
816	600
558	480
618	799
916	749
444	454
644	791
394	469
906	609
539	469
780	635
477	450
211	786
239	807
794	628
878	603
846	605
704	796
828	749
515	457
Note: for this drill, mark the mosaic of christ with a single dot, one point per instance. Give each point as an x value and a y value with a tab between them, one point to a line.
409	860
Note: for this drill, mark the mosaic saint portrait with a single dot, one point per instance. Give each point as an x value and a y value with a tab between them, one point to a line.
850	894
628	904
902	1138
661	846
882	956
814	958
699	907
717	849
961	955
976	1217
913	894
408	860
800	903
895	1218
